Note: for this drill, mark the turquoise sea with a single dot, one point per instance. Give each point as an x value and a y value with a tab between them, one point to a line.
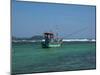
71	56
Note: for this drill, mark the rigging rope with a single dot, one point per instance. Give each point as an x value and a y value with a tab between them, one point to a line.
78	31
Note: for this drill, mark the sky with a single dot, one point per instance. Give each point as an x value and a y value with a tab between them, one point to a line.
68	20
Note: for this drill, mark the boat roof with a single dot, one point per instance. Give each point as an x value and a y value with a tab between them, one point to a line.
48	33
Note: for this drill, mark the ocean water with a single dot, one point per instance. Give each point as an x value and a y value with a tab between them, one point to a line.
71	56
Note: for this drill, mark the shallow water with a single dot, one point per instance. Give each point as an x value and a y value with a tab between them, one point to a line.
31	58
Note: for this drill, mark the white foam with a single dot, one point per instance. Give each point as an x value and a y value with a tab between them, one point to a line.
69	40
64	40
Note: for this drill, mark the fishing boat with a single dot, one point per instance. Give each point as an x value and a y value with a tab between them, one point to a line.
51	41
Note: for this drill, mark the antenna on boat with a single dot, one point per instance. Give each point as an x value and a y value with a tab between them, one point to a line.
56	31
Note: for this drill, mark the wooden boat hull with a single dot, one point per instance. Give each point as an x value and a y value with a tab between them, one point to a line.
54	45
50	45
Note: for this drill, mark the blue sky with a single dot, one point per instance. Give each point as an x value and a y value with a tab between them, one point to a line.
69	21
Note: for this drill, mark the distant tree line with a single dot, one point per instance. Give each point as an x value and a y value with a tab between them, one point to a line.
36	37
